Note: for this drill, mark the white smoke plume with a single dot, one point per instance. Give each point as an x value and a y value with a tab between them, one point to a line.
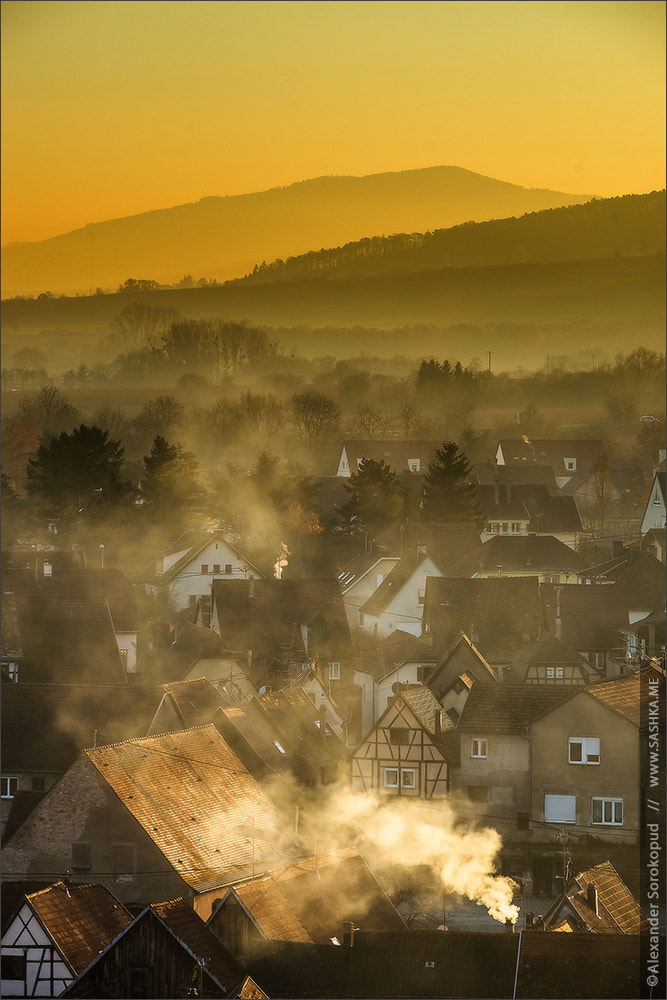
410	833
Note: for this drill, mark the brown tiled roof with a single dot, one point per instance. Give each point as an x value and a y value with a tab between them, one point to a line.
592	617
462	640
509	708
197	802
444	542
392	584
80	919
500	610
526	474
191	930
276	609
46	726
296	718
425	964
252	734
68	640
529	554
625	694
327	890
618	910
271	911
425	706
195	702
581	966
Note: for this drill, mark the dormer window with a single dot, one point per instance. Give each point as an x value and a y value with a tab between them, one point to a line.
570	464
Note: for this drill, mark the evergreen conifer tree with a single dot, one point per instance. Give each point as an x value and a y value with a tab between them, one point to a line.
448	494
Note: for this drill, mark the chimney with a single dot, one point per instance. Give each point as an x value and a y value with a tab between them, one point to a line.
438	722
539	924
509	925
348	934
592	895
530	921
251	586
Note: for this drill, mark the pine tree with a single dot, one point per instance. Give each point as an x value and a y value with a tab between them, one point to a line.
376	498
448	494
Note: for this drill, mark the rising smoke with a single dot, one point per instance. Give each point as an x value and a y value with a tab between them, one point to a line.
413	833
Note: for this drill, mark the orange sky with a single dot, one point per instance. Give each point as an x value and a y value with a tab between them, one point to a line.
115	108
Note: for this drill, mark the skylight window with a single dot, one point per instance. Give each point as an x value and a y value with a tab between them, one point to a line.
277	744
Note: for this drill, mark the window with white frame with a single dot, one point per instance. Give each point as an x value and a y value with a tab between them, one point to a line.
334	671
554	673
408	777
560	809
607	812
478	748
391	777
204	569
583	750
9	787
516	527
279	746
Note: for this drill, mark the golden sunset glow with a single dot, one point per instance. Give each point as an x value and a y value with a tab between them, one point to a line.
115	108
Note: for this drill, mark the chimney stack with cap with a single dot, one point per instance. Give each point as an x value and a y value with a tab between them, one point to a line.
592	894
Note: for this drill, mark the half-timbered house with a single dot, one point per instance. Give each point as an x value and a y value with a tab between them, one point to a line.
407	751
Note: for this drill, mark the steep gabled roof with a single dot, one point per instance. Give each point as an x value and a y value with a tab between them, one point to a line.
81	920
195	702
585	966
68	640
618	911
268	908
425	708
553	452
641	572
74	583
509	709
197	802
357	568
528	554
254	737
188	927
462	640
393	584
190	543
445	542
395	454
46	726
488	473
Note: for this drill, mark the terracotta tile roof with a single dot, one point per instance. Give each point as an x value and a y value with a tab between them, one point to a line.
582	966
194	933
271	911
197	802
327	890
509	708
625	694
618	910
592	618
68	640
80	919
46	726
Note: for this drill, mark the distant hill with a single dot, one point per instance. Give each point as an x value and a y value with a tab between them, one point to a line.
225	237
629	226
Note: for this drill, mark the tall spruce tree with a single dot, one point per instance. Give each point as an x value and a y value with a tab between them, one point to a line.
447	493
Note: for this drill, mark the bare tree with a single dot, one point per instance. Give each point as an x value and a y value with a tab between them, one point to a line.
50	409
314	416
139	323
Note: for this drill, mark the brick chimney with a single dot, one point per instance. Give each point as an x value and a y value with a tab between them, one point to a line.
348	934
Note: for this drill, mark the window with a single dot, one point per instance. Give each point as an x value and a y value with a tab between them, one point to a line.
506	526
216	567
13	967
414	464
607	812
554	673
478	793
13	671
423	672
391	777
494	528
516	527
583	750
398	736
123	658
478	748
570	464
560	808
408	778
334	671
278	745
9	787
228	569
204	569
421	595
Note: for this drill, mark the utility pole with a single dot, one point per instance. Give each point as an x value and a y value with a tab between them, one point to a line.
489	353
